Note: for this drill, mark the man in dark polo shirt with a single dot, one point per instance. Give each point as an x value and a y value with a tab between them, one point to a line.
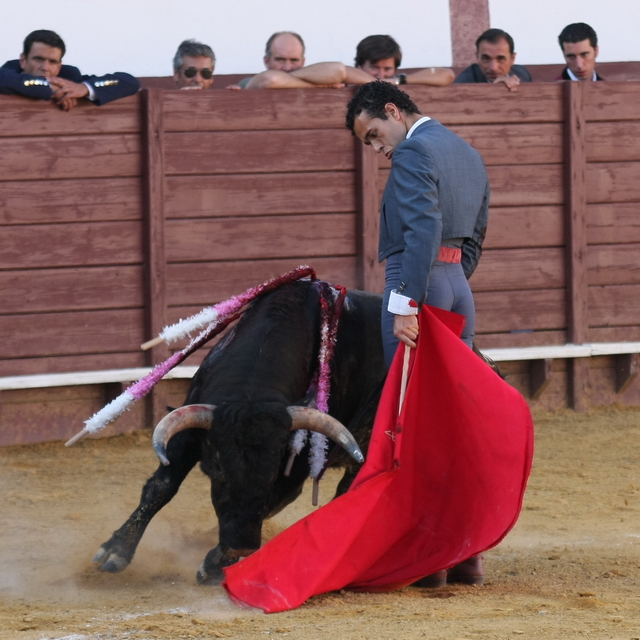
496	61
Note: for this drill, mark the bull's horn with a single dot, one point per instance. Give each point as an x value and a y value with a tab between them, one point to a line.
191	416
314	420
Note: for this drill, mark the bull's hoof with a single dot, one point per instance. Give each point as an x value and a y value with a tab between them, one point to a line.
211	579
110	562
211	571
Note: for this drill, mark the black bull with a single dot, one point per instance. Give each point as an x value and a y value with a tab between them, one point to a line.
252	376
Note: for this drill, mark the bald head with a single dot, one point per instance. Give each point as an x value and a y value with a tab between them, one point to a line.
284	52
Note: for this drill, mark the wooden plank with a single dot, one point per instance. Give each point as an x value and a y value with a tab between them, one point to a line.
511	227
614	334
537	143
155	289
526	185
68	245
612	101
297	237
520	310
487	341
489	104
613	182
371	272
48	201
44	158
258	152
57	414
613	223
38	118
67	363
208	283
614	305
576	213
555	395
539	353
517	185
45	290
511	269
256	110
626	368
603	385
613	141
539	377
613	264
77	332
259	194
579	384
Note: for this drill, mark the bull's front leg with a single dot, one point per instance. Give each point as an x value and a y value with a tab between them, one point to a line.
183	452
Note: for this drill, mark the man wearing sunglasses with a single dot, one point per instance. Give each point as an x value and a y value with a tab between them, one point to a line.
39	73
193	66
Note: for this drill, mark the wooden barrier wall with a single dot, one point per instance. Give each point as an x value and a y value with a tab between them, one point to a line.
120	219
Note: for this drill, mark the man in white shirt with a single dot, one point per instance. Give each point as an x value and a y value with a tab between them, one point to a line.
579	44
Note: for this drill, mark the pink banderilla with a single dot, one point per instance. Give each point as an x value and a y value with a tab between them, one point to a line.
218	318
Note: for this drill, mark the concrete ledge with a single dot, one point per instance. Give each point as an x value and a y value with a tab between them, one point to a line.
44	381
562	351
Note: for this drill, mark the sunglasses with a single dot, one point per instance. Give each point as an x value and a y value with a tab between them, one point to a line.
191	72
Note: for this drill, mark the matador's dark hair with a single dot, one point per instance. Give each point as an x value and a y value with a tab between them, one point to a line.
372	97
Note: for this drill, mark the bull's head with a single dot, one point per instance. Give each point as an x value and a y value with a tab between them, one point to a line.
243	468
200	416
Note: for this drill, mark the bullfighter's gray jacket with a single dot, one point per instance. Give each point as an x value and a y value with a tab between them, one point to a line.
437	190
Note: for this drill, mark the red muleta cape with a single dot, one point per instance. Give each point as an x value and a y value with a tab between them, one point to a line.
442	482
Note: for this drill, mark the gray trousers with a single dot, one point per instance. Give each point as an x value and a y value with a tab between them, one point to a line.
448	289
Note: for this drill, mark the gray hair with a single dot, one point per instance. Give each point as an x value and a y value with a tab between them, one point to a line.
193	49
267	49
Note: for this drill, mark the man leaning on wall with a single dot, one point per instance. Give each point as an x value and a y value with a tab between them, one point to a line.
496	57
380	56
40	67
284	59
193	66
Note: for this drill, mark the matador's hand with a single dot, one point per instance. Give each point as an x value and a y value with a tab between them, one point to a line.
405	328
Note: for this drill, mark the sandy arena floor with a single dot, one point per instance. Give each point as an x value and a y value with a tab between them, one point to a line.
569	569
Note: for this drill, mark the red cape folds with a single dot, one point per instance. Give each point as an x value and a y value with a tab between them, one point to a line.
442	482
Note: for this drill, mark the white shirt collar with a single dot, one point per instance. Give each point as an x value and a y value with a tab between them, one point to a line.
574	77
416	125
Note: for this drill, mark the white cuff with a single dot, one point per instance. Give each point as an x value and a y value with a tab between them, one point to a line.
400	305
92	91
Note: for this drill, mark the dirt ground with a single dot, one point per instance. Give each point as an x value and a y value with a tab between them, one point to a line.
569	569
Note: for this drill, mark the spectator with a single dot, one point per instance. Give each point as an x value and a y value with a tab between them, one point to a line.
380	56
496	57
579	44
193	65
40	67
284	60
